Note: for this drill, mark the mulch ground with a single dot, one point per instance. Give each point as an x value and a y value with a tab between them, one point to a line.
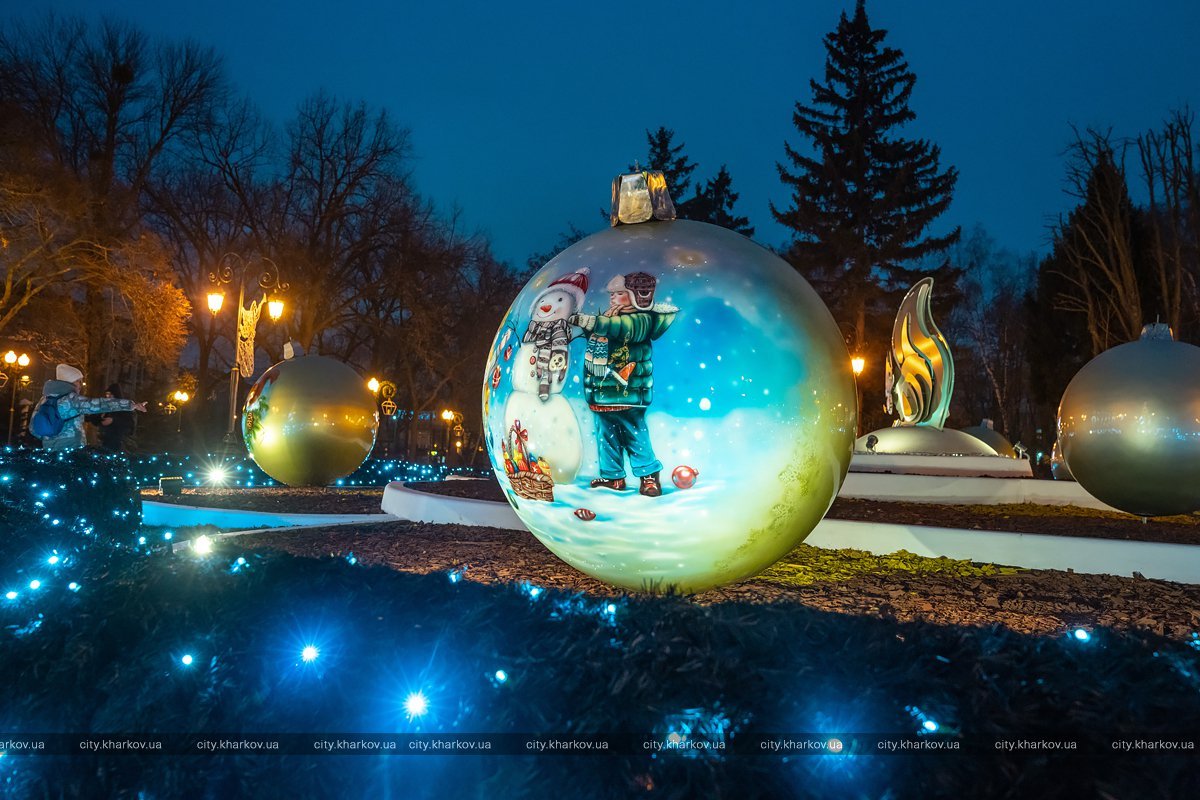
304	500
901	587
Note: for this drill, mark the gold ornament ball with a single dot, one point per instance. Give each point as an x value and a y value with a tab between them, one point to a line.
309	421
1129	426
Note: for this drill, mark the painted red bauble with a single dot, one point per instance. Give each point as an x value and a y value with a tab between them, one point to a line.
684	476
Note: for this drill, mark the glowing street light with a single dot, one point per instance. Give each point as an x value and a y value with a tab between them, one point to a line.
179	397
373	385
21	360
275	310
448	415
857	363
215	301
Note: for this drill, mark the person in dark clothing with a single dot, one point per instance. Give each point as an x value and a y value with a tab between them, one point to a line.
113	427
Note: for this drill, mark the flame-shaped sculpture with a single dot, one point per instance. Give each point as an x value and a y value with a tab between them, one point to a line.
920	369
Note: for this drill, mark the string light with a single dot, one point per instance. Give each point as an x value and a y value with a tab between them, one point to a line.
202	545
1082	635
309	654
187	659
501	676
415	705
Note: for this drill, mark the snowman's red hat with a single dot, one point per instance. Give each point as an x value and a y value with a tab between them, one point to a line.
574	283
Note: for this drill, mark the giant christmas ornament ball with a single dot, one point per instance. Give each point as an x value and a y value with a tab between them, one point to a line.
1129	426
309	421
694	366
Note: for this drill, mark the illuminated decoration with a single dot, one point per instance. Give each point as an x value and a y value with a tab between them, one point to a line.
918	385
202	545
309	421
309	654
647	355
415	705
1129	425
920	368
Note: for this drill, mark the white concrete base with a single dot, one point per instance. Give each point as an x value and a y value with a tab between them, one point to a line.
1168	562
176	515
407	503
953	490
971	466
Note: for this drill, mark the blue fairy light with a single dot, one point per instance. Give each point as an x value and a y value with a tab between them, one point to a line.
501	676
416	705
73	586
35	584
930	725
11	595
309	654
456	575
187	659
52	560
1081	635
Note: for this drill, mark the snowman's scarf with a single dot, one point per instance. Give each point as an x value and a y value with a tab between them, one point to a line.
550	340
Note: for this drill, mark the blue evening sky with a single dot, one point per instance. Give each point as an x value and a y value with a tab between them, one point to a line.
521	112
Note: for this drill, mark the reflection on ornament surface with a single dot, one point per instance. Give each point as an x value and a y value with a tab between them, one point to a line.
309	421
650	354
1129	426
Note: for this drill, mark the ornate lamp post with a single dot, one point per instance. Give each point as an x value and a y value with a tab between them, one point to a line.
180	397
453	426
233	267
21	361
386	390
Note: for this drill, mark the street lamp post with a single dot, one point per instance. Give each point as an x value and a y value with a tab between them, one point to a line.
180	397
453	426
231	267
857	364
11	359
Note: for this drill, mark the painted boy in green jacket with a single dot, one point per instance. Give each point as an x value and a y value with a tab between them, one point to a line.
618	382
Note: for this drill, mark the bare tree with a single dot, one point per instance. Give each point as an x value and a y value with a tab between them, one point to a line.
1168	158
1096	243
99	107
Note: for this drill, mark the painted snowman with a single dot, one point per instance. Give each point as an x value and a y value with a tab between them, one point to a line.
538	375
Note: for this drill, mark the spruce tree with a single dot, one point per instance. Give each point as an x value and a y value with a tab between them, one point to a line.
670	159
862	201
714	203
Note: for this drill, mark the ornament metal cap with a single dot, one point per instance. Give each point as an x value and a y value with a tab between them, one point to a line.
640	197
1157	332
